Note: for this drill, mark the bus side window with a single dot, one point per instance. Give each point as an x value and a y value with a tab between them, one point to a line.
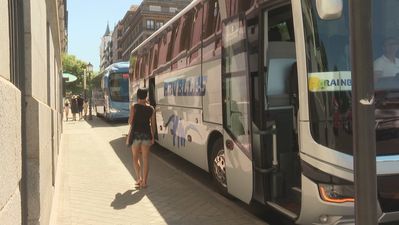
155	57
163	49
234	6
137	68
211	31
182	40
177	27
281	58
150	56
144	66
195	45
169	50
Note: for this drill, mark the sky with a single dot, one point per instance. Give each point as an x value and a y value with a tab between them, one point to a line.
87	22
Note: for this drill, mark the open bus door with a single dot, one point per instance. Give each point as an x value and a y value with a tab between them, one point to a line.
236	110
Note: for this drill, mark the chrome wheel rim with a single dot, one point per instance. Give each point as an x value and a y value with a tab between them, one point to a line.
219	168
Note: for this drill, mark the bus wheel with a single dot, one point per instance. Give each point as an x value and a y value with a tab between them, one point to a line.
105	115
217	166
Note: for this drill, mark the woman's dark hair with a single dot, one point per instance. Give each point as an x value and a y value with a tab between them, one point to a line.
142	93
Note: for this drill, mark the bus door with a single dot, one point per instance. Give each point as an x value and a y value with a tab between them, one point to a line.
236	110
275	146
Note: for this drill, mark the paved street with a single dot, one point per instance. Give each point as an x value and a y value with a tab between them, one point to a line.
95	185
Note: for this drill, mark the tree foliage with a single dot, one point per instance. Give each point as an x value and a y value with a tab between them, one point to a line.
76	67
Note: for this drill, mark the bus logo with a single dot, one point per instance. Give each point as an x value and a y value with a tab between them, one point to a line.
330	81
190	86
314	84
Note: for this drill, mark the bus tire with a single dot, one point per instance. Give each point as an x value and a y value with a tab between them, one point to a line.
217	166
105	115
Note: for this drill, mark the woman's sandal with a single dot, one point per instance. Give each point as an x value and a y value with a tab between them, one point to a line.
137	184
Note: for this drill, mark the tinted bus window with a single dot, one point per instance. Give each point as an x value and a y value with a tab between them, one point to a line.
212	31
163	48
151	54
177	36
119	87
144	66
139	66
195	50
234	7
154	50
169	50
212	14
186	31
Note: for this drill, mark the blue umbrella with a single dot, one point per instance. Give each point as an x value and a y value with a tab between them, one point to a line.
69	77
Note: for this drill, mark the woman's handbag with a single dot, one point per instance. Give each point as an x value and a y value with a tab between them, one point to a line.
129	138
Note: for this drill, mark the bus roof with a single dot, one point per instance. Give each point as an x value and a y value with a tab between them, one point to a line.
115	67
118	66
166	25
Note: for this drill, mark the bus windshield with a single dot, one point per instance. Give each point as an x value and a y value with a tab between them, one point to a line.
119	87
329	76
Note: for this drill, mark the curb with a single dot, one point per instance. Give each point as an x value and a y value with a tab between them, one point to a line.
57	183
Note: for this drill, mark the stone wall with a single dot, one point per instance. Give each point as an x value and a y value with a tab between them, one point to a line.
41	96
10	131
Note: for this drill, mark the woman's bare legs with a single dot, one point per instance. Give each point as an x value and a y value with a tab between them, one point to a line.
145	150
136	150
66	114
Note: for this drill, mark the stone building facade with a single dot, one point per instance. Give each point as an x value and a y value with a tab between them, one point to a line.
149	17
120	28
138	24
32	40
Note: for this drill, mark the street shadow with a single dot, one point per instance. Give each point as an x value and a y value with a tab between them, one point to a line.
168	190
124	153
130	197
101	122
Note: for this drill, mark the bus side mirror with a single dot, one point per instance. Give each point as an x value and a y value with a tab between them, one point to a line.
329	9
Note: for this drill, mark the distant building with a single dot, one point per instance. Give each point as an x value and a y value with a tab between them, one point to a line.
138	24
150	16
121	28
105	48
32	41
114	44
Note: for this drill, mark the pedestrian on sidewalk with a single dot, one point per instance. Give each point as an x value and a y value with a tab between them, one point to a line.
85	107
74	107
66	109
141	136
80	106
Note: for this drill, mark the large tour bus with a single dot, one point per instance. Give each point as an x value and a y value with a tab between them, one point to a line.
258	93
110	92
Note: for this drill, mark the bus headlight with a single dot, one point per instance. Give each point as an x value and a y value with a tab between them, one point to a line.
337	193
112	110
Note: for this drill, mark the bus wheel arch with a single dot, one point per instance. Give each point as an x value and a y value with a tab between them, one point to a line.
216	161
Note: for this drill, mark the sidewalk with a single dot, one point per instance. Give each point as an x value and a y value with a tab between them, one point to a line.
95	185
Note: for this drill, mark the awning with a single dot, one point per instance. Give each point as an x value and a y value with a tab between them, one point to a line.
69	77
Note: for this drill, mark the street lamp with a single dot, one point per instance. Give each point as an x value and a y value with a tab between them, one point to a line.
89	69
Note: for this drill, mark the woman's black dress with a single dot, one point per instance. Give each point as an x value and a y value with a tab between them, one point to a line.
74	106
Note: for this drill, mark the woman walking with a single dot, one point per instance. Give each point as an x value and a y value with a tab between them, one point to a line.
66	109
74	107
142	122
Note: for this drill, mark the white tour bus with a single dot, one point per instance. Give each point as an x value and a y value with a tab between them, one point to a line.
258	93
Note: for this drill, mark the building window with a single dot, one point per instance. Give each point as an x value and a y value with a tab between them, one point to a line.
155	8
16	27
150	25
173	9
158	25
